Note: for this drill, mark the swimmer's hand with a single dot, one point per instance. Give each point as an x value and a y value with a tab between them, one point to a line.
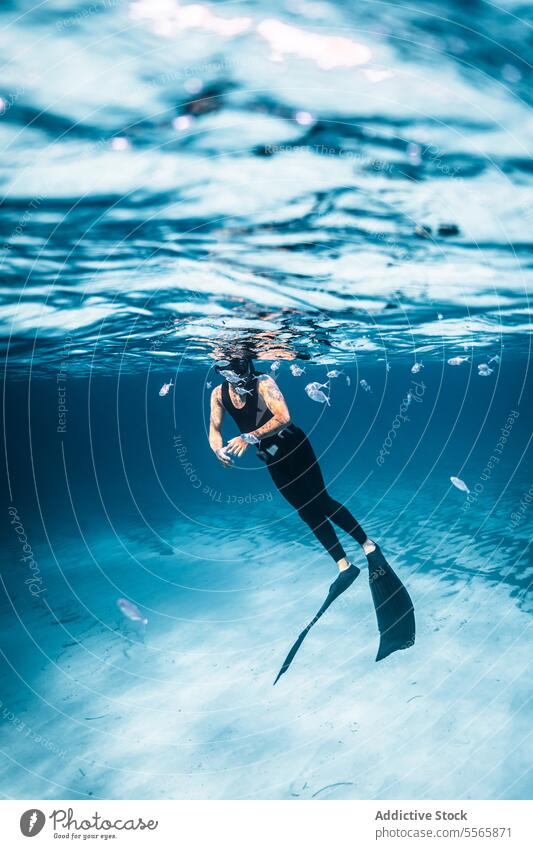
223	458
237	446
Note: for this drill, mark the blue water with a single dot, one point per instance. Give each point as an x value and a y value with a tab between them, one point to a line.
321	183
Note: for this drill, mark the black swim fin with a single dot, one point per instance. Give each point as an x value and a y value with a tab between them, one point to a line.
339	585
394	609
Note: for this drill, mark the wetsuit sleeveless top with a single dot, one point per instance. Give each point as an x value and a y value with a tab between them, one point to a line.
255	412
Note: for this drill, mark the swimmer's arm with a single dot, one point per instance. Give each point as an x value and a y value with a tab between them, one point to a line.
273	398
215	423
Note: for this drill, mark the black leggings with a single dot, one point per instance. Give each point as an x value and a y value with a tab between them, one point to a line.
296	473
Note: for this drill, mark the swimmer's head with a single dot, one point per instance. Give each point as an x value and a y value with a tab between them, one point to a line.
243	366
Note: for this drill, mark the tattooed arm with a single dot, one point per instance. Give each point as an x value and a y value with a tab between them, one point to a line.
271	394
215	427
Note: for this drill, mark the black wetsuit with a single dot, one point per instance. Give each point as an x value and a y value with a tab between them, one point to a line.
294	468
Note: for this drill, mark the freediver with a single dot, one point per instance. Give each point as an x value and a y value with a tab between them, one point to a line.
258	408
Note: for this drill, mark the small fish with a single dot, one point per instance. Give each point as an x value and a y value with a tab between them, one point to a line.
319	396
209	384
348	380
314	391
440	316
388	367
131	611
165	389
296	370
459	484
230	376
275	366
240	390
495	359
483	370
223	363
417	367
457	361
366	386
334	373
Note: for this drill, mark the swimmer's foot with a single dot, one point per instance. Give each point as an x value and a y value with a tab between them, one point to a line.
368	546
344	580
343	564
